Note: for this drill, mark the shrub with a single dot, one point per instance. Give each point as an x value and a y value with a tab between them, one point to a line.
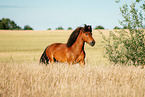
99	27
60	28
127	47
49	29
7	24
27	27
116	27
69	28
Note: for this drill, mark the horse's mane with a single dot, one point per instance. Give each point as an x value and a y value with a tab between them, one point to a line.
73	37
75	34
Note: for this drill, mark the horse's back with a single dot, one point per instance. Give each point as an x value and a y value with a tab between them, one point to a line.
54	47
59	51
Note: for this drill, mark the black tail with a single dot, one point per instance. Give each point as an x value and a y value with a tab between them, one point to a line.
44	59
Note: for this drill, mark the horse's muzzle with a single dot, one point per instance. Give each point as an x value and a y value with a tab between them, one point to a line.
92	43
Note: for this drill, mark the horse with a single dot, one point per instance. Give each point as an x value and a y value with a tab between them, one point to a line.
73	51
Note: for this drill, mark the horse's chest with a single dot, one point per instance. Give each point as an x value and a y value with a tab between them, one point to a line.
72	56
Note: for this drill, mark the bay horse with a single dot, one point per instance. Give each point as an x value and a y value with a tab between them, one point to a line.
73	51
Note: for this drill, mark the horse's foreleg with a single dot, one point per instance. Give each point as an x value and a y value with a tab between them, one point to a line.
82	63
81	59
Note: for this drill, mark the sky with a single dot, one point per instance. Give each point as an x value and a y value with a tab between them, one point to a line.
44	14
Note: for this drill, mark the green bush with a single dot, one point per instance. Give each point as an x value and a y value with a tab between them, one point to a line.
49	29
99	27
60	28
27	27
69	28
127	46
7	24
116	27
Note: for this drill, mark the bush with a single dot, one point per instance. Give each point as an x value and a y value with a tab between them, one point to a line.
27	27
116	27
69	28
60	28
127	47
7	24
99	27
49	29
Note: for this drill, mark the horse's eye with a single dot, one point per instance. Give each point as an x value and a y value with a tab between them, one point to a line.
86	34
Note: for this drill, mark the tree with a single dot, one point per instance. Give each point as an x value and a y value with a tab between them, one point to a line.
60	28
116	27
99	27
69	28
49	29
8	24
128	47
125	27
27	27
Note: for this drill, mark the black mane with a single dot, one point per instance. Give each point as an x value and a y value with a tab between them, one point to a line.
73	37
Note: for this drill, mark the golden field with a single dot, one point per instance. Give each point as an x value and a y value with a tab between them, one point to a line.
21	75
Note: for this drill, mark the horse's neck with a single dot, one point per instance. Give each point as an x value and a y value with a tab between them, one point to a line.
78	46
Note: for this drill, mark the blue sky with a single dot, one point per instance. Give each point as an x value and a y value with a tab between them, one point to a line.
44	14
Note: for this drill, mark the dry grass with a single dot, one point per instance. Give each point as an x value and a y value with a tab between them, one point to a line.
61	80
22	76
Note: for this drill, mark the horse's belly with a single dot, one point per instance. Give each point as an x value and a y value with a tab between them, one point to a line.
60	56
60	53
64	56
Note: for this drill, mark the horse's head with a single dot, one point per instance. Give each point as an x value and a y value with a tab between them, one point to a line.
87	35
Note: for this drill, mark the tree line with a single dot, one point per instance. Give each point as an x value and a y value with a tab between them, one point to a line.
97	27
7	24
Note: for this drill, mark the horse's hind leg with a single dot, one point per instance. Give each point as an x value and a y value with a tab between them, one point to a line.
44	59
51	59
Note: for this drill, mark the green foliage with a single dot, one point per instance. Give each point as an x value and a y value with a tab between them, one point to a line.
116	27
99	27
27	27
60	28
117	1
49	29
127	46
7	24
69	28
137	0
143	6
125	27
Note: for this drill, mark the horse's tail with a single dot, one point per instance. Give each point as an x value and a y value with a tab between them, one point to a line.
44	59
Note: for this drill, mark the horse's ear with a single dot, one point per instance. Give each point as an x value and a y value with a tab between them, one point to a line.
89	27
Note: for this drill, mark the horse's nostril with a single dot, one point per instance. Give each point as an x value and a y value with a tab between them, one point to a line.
92	43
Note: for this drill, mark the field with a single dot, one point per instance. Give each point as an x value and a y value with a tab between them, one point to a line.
21	75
